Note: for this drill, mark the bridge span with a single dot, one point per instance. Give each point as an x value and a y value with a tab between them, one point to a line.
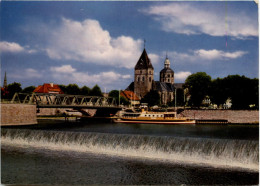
105	106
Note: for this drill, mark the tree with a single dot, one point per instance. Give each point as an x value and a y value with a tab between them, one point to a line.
198	87
95	91
29	89
152	98
115	94
63	88
73	89
241	90
180	97
13	88
85	90
218	92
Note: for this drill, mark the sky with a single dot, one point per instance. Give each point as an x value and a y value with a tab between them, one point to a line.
99	42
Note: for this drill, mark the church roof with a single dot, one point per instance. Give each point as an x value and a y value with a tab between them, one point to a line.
162	86
144	62
167	70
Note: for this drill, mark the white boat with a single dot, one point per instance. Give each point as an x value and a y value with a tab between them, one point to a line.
146	117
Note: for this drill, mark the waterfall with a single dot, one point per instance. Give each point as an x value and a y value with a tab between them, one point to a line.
200	151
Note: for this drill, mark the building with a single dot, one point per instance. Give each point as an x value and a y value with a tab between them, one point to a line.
143	75
131	97
144	79
48	88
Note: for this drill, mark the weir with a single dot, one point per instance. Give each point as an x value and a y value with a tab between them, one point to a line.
194	151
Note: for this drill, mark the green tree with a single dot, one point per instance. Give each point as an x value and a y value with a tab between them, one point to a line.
115	94
242	91
73	89
152	98
85	90
180	97
63	88
95	91
29	89
198	87
218	91
12	89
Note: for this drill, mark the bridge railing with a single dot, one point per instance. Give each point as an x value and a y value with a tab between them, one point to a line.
42	99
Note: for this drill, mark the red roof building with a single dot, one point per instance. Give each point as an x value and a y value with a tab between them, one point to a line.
48	88
130	96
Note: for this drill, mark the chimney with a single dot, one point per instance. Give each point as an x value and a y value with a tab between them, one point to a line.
51	84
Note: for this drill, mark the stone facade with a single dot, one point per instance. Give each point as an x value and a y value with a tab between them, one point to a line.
18	114
143	75
144	79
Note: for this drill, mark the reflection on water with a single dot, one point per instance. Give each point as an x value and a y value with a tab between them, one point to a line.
105	153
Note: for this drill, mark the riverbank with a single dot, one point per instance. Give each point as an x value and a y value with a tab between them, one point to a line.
233	116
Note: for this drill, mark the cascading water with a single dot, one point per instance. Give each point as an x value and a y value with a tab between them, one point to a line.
210	152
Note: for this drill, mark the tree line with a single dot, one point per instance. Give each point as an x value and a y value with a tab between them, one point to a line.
72	89
242	91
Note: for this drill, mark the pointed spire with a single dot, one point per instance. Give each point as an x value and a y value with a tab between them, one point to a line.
5	81
144	61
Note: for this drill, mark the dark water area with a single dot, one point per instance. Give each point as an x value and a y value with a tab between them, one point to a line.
80	153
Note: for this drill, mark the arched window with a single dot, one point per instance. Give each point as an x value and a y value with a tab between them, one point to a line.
143	78
138	79
150	79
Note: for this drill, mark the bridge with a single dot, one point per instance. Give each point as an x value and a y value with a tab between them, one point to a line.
105	106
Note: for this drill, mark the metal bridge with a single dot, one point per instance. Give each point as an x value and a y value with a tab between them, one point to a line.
105	106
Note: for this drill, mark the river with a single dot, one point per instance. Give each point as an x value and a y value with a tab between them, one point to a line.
77	153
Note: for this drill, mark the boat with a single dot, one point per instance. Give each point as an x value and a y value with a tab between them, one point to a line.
147	117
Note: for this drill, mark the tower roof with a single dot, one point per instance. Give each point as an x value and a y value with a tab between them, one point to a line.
143	62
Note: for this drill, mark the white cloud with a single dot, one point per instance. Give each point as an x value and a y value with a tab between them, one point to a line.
63	69
206	55
68	74
218	54
181	76
88	42
10	47
15	48
188	19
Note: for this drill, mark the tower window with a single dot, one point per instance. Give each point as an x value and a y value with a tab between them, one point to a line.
150	79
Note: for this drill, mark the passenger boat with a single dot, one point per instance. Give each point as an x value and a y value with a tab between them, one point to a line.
146	117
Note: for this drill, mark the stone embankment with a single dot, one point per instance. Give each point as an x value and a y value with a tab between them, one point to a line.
233	116
18	114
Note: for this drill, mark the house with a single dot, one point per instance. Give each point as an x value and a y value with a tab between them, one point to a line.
48	88
131	97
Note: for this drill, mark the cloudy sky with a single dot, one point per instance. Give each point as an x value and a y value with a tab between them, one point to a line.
92	43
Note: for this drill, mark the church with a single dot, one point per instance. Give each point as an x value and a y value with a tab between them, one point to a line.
144	79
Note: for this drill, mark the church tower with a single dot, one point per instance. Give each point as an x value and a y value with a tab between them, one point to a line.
167	74
143	75
5	81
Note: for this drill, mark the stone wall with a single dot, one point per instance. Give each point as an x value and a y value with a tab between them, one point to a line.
233	116
18	114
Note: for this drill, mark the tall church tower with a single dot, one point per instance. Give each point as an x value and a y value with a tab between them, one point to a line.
5	81
167	74
143	75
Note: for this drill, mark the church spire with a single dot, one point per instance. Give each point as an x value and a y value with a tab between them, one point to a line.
5	81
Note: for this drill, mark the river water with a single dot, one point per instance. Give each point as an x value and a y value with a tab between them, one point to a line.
77	153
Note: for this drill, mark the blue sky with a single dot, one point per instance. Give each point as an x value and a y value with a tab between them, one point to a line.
92	43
